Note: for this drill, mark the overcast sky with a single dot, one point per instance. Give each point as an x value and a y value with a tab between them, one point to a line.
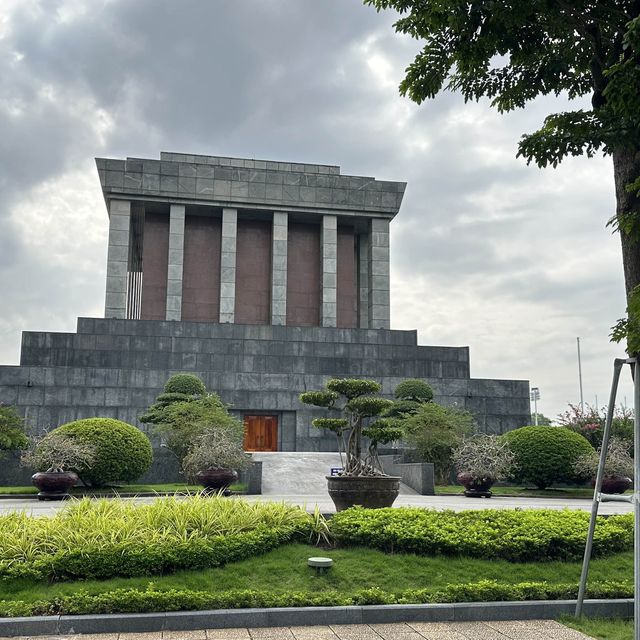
511	260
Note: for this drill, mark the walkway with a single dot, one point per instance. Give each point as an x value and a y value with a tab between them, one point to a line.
511	630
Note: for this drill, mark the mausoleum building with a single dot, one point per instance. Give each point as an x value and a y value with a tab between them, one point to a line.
264	279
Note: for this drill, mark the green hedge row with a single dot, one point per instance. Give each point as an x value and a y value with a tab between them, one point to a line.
151	600
518	536
129	560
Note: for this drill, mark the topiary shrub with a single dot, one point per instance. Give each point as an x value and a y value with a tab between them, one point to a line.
12	434
122	453
414	389
186	383
544	455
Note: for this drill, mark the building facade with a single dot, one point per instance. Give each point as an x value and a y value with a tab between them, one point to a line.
263	278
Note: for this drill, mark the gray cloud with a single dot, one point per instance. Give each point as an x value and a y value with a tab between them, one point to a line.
512	260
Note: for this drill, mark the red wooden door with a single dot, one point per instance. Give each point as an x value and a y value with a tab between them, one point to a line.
261	433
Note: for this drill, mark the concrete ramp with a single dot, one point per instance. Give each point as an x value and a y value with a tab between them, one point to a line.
299	473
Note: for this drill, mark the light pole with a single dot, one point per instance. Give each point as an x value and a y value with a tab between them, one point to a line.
535	396
580	376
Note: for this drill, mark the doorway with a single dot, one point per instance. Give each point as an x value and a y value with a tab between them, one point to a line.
260	433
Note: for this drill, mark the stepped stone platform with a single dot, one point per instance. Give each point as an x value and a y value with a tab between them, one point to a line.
115	368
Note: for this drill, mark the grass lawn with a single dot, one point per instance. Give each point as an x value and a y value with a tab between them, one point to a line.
601	629
525	492
285	569
125	488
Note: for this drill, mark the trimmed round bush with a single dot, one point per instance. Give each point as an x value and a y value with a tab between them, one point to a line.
414	389
122	453
185	383
544	455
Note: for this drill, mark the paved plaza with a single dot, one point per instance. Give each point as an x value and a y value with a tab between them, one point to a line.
440	503
509	630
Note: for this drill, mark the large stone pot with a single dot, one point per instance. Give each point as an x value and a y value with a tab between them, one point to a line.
216	480
614	484
54	485
371	492
475	487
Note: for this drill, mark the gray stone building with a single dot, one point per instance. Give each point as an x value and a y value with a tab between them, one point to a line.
263	278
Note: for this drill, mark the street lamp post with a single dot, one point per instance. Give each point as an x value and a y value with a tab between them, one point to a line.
535	396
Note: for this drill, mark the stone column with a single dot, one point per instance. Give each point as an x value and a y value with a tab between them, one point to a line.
363	280
379	307
228	265
279	268
329	253
176	260
117	259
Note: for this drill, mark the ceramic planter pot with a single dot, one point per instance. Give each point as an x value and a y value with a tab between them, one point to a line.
475	487
54	485
371	492
216	480
614	484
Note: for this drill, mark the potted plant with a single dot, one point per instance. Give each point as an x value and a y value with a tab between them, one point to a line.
214	460
55	456
618	467
480	461
362	480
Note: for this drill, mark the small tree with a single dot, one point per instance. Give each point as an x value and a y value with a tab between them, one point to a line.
181	387
12	435
617	463
435	431
215	449
409	395
358	402
483	457
57	452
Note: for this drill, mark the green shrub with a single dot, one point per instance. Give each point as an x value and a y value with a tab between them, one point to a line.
544	455
152	600
12	434
109	538
413	389
517	536
185	383
121	452
435	431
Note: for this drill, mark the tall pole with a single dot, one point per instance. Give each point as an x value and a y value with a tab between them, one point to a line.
535	408
580	377
636	502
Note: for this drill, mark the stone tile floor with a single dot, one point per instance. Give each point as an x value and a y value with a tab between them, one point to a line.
508	630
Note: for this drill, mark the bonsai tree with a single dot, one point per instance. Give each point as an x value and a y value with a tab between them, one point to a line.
215	449
360	406
57	452
12	436
409	395
481	460
181	387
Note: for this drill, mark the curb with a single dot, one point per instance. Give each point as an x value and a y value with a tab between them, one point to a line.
300	616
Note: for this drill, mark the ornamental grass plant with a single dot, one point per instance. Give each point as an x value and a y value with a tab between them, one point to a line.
107	538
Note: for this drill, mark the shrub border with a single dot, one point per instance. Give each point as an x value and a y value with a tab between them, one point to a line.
296	616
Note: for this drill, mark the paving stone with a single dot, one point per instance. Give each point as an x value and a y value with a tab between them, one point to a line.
157	635
355	632
228	634
184	635
271	633
313	633
477	631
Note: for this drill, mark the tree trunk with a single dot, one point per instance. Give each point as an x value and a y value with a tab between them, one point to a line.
626	169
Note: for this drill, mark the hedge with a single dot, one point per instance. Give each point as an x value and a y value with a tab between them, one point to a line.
152	600
518	536
122	452
109	538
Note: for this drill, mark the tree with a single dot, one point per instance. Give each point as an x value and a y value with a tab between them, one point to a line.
12	434
512	52
358	402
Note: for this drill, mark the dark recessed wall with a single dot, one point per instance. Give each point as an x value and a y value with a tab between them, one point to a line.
155	260
347	301
304	275
253	272
201	270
